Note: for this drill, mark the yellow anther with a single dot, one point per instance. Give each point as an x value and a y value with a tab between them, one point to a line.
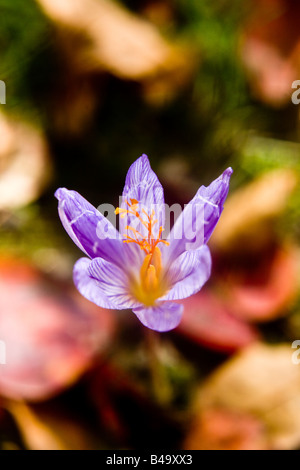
156	261
145	266
151	281
150	285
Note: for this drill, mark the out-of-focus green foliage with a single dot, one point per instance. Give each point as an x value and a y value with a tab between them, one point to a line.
26	65
204	124
214	28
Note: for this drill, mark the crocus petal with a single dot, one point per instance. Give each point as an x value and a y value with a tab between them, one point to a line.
113	282
197	221
88	228
87	286
163	317
189	273
142	185
214	197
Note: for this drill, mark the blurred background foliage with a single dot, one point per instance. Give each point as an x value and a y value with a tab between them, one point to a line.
197	86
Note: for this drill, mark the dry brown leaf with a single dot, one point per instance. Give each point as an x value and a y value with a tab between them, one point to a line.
115	40
270	49
268	291
219	429
36	434
52	335
261	382
24	163
248	213
209	321
47	428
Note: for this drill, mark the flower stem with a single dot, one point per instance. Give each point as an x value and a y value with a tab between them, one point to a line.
161	388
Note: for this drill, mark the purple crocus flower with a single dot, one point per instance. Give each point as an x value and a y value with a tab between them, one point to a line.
135	268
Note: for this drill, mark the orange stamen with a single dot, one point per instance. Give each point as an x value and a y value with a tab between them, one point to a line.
149	243
150	283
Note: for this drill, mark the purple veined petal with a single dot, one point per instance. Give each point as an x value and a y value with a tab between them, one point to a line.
87	286
189	273
163	317
143	185
197	221
113	282
88	228
214	196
